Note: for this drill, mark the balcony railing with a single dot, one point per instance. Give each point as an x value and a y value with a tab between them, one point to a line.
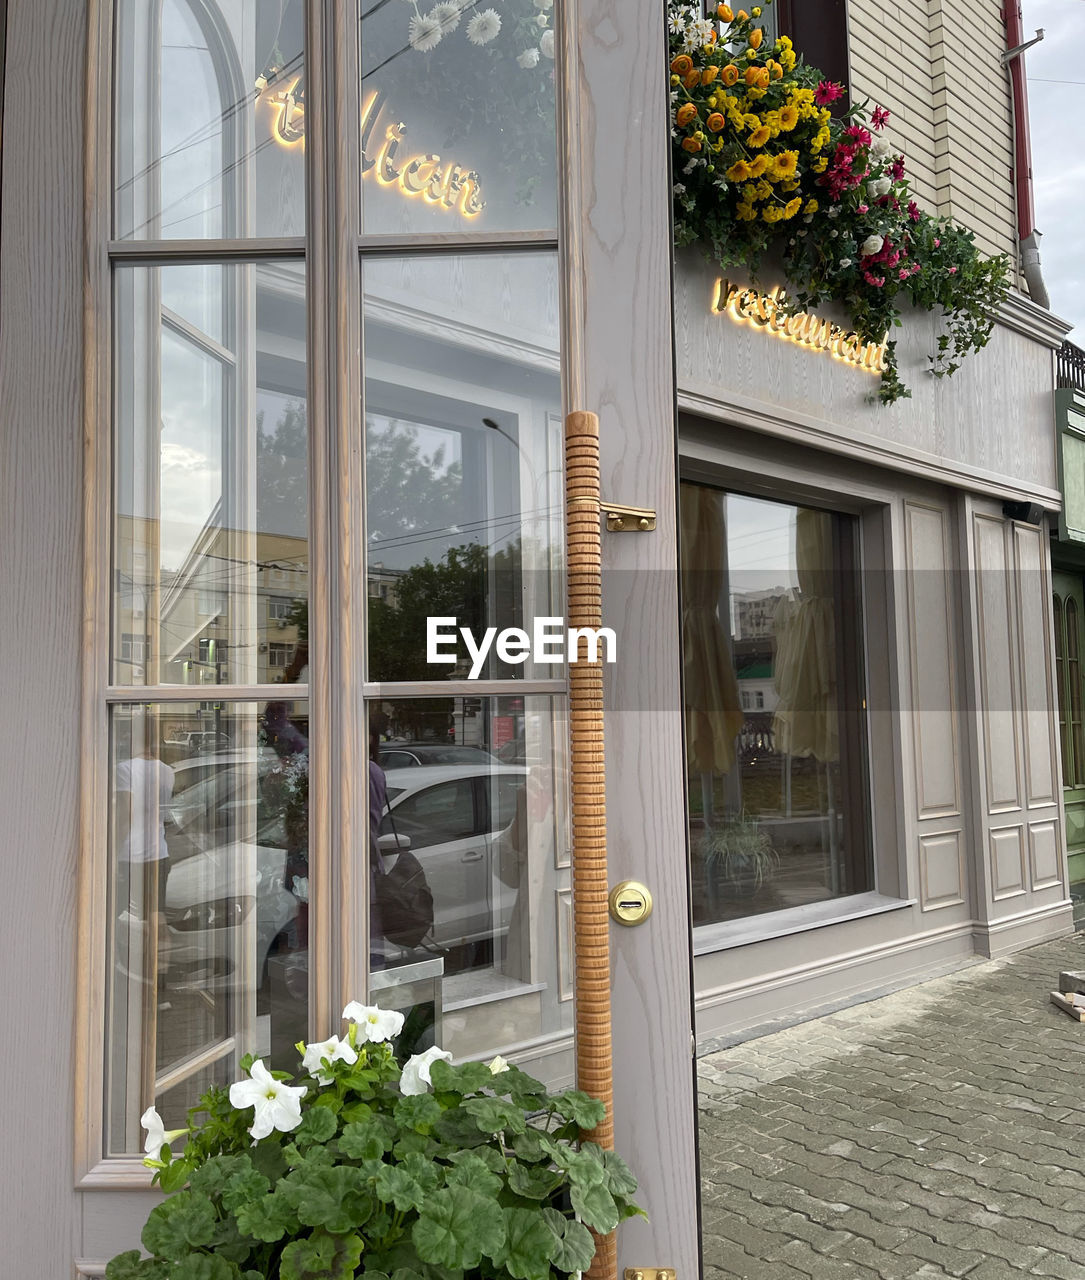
1070	367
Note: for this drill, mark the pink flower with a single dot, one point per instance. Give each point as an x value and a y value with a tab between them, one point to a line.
903	273
913	211
864	208
952	271
876	281
878	117
827	92
857	132
937	242
897	168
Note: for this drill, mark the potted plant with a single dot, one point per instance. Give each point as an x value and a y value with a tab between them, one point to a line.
364	1168
741	853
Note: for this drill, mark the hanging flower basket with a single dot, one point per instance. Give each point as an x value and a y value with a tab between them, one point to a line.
760	162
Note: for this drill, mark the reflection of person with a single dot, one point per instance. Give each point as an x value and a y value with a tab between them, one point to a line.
378	802
530	831
143	786
281	732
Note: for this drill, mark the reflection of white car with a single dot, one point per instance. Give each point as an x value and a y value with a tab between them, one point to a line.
459	821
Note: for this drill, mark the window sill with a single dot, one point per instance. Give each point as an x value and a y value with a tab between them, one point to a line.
708	938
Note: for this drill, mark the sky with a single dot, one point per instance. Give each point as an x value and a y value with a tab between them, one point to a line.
1056	92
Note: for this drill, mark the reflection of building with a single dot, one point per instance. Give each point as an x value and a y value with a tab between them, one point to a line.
754	612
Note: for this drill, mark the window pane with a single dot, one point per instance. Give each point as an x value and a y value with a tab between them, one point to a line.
491	833
774	734
463	455
209	119
208	903
457	127
210	555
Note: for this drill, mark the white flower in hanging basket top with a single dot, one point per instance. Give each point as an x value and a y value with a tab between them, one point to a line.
498	1065
374	1025
484	26
157	1137
447	15
424	33
528	59
276	1105
415	1077
871	245
546	44
333	1049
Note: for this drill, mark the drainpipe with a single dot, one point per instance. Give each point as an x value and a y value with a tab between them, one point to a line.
1028	238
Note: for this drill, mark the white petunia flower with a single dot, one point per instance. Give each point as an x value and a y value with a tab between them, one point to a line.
879	187
157	1136
374	1025
679	188
546	44
528	59
484	26
424	33
447	15
334	1049
879	146
276	1105
871	245
845	262
415	1077
498	1065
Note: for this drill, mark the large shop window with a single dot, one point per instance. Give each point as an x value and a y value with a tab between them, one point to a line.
775	740
227	451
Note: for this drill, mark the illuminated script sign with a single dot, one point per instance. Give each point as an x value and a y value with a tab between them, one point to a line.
769	311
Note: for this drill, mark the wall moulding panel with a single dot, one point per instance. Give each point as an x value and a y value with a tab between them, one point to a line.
1045	855
999	687
942	871
1007	853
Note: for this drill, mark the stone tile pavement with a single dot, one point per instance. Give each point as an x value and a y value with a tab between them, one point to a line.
938	1131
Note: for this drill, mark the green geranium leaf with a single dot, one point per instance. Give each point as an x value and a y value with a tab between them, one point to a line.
535	1182
336	1199
529	1243
214	1173
595	1204
495	1115
518	1084
267	1158
370	1274
586	1112
459	1129
394	1185
575	1247
419	1111
243	1187
406	1273
267	1219
315	1156
424	1171
317	1125
491	1157
456	1228
367	1139
174	1176
203	1266
130	1266
321	1257
468	1077
471	1172
528	1146
179	1225
357	1112
619	1176
412	1144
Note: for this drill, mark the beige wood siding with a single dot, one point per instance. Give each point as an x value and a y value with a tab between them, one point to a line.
936	67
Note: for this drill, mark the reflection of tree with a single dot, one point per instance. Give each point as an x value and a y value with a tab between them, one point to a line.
408	491
282	471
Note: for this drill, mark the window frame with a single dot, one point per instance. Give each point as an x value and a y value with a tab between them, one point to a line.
334	251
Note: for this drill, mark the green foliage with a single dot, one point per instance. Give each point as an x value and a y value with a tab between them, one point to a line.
484	1177
761	164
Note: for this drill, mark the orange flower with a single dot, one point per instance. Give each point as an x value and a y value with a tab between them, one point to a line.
742	15
765	77
730	75
723	12
756	36
776	70
709	74
715	122
692	80
685	114
690	144
682	65
753	75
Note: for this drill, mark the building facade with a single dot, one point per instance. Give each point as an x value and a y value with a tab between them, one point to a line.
296	299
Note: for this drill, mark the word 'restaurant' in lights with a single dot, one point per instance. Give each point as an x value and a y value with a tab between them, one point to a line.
426	177
770	312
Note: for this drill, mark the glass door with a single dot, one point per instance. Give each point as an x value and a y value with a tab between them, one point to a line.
1069	615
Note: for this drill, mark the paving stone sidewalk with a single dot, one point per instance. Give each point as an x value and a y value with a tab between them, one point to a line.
938	1131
